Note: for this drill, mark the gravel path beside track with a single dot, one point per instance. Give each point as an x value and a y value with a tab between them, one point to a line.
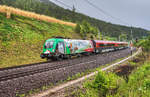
11	87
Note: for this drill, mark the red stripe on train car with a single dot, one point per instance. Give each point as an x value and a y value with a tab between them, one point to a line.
89	50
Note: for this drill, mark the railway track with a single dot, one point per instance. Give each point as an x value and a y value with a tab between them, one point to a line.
21	71
31	72
23	79
30	69
35	64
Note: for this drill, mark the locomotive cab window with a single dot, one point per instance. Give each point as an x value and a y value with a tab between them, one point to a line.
49	44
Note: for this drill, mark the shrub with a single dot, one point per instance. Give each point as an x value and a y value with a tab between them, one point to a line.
103	84
146	84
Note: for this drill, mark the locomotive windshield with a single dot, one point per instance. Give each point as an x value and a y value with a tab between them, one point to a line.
49	44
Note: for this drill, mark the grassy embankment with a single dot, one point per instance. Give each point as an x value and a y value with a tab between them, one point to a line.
128	80
22	34
21	39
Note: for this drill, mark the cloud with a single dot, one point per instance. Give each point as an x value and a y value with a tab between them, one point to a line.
134	12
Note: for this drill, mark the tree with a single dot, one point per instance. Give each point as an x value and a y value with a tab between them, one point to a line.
94	31
78	28
46	7
85	28
146	44
123	37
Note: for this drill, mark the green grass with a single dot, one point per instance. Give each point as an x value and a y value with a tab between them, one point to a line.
138	84
102	85
21	39
108	84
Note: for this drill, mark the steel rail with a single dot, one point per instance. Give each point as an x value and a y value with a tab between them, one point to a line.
31	72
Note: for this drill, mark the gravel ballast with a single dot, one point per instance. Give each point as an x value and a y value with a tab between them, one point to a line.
24	84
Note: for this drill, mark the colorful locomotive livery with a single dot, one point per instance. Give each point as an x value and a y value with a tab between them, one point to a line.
58	48
78	46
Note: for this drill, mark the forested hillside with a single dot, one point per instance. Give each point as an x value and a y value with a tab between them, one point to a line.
48	8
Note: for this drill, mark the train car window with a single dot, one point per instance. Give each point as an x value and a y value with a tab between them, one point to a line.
121	44
108	44
111	44
101	45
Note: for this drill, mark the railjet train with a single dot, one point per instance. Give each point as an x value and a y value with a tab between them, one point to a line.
58	48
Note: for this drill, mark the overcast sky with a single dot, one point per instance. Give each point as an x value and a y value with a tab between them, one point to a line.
132	12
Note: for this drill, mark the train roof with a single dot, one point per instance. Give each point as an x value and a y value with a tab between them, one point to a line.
97	41
102	41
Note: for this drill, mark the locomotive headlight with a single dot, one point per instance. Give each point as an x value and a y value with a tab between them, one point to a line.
47	52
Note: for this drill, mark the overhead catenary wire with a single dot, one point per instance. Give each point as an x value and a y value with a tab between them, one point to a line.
62	3
98	8
104	12
107	14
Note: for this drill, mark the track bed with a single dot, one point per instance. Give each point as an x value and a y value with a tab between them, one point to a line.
22	79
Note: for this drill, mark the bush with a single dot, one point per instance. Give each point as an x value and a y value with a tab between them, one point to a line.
138	84
145	44
146	84
104	84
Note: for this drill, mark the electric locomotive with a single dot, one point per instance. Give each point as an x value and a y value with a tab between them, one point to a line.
59	48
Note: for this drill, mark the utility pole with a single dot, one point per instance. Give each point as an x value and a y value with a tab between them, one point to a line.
131	34
102	36
73	8
100	30
99	35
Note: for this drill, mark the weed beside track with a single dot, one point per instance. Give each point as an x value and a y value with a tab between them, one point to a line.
24	84
131	79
